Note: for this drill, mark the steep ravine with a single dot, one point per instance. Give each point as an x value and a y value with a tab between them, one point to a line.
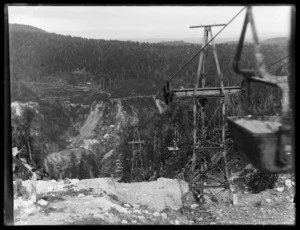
93	146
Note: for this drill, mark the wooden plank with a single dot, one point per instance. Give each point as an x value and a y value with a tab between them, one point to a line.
136	142
171	148
207	25
207	92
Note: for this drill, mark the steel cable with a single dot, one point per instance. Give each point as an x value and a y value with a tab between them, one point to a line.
196	54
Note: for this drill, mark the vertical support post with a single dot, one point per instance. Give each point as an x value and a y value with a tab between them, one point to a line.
217	63
203	80
132	159
194	134
200	73
223	120
200	66
140	145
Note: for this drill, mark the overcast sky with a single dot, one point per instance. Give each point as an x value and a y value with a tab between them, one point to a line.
143	22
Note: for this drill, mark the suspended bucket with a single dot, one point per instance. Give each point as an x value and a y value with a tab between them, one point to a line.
257	139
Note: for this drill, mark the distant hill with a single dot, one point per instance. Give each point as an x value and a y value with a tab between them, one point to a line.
276	41
176	43
24	28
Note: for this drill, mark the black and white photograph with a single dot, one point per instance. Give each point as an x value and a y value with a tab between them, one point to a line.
149	115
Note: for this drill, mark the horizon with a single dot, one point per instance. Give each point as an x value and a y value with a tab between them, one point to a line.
157	40
151	23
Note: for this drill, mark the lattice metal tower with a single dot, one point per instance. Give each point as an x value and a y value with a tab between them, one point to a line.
201	97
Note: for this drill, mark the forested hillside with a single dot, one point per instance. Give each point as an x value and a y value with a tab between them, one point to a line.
84	88
111	64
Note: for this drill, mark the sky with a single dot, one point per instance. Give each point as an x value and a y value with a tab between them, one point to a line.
140	23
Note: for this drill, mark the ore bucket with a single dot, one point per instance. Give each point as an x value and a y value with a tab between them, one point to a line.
258	146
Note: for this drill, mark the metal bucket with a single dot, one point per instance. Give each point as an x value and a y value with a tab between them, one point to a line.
257	143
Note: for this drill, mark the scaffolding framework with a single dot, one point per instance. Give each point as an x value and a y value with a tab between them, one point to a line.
136	145
202	97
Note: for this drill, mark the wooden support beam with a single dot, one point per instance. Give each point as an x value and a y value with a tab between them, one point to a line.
191	27
208	148
211	186
207	92
136	142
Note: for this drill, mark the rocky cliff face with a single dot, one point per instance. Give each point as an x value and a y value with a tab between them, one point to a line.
99	136
91	141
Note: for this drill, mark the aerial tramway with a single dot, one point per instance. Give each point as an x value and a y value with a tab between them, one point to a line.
271	152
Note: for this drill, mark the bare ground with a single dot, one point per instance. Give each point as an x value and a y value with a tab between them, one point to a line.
165	201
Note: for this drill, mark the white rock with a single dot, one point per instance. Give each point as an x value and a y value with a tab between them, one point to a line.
268	200
15	151
127	205
29	211
124	222
280	189
288	183
137	211
53	181
193	206
134	221
74	181
141	217
42	202
177	222
112	126
164	215
156	214
145	211
80	195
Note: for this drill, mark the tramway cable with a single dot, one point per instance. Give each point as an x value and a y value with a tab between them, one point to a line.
202	48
